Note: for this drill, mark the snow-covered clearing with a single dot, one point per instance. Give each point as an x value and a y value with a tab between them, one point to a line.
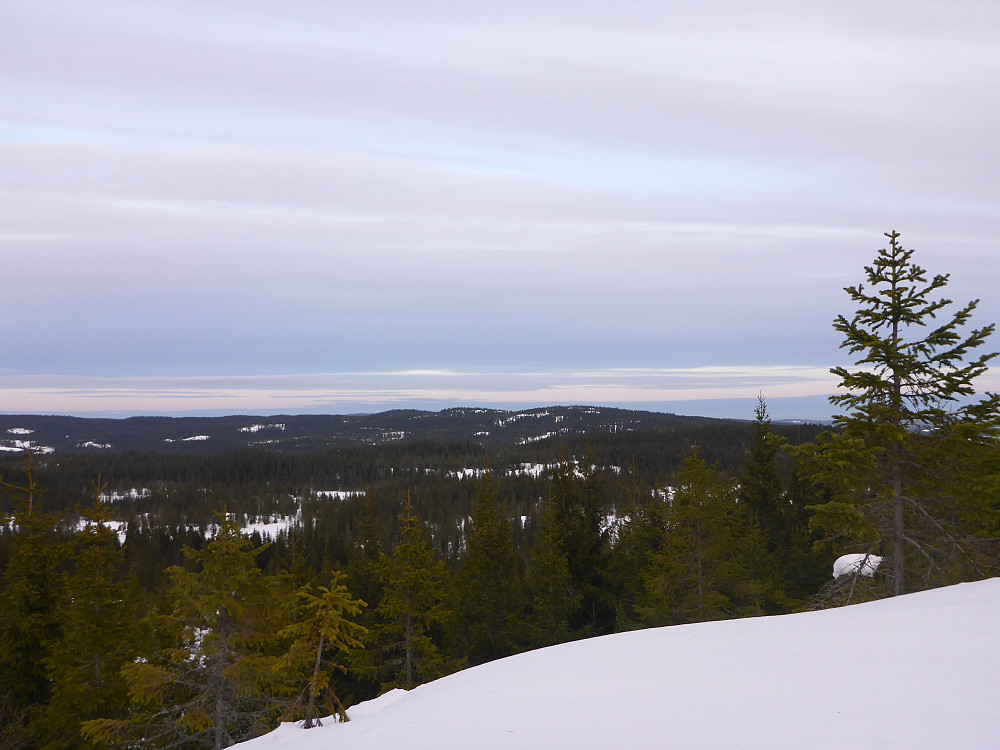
920	672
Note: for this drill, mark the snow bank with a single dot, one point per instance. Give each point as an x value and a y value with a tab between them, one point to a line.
924	676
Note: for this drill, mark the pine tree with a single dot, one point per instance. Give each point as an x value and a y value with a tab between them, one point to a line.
910	419
639	534
325	623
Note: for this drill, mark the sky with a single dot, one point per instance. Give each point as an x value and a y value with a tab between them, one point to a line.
310	207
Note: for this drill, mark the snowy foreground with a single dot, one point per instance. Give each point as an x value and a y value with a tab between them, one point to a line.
920	671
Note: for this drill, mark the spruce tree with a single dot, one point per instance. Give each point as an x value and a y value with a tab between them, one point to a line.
763	519
690	578
399	651
325	623
95	637
911	419
550	584
215	678
576	493
29	616
488	596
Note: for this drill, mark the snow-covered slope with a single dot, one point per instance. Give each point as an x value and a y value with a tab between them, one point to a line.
920	671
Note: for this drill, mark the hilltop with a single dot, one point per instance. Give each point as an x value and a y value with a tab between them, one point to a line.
918	671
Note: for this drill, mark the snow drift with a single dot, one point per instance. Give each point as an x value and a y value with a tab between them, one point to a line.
919	671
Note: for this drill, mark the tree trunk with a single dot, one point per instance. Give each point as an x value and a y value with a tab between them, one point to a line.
311	705
898	532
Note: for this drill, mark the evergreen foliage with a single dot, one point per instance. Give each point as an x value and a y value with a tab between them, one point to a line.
400	651
911	436
489	590
95	635
688	578
324	623
215	679
29	613
550	584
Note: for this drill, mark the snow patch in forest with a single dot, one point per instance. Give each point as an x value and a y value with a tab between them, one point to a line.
117	526
20	431
92	444
270	527
530	470
258	427
467	474
131	494
338	494
536	438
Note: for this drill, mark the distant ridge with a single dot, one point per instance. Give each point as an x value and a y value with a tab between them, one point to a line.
204	435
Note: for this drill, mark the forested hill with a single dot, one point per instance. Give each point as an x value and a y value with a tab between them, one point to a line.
207	435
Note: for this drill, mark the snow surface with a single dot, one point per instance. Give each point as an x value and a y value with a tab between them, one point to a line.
864	564
920	672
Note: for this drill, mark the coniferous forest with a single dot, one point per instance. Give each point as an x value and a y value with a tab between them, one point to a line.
155	600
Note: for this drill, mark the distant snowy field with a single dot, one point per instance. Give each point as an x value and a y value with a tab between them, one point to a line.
916	672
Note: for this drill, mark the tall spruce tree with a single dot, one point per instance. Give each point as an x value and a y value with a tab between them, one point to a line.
550	584
763	516
690	578
399	650
95	637
489	592
911	422
577	499
29	609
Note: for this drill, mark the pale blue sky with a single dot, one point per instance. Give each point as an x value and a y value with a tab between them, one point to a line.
263	207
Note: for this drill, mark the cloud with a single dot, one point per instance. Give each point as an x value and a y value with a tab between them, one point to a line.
340	391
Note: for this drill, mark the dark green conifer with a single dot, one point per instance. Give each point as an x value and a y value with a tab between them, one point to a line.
399	651
489	591
325	623
550	584
690	579
213	681
29	608
917	435
96	634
